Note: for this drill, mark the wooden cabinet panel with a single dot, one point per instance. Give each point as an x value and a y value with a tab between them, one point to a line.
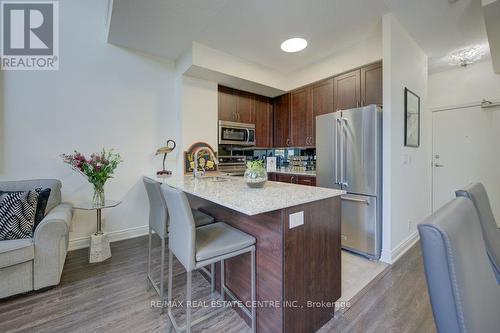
371	84
282	121
346	90
263	122
227	104
286	178
271	176
322	102
245	107
306	180
301	117
322	97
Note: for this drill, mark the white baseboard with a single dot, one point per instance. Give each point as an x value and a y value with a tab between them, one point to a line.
83	242
404	246
390	257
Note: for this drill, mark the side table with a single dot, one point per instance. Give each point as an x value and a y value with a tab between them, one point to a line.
99	242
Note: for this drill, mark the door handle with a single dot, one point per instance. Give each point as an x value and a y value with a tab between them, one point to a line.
437	165
366	202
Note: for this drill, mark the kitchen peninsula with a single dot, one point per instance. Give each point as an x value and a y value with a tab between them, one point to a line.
297	252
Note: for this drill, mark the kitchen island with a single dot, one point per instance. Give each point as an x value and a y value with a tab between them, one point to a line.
298	247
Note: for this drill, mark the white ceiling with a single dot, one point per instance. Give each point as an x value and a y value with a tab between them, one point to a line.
253	30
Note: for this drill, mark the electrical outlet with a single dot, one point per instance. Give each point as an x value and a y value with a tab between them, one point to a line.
295	220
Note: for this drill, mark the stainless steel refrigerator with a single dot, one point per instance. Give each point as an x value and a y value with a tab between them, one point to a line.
349	157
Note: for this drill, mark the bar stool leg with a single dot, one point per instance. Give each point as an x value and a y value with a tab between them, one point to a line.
162	272
169	282
222	280
254	318
188	303
149	260
212	277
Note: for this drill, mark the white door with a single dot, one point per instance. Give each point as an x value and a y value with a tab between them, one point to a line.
466	149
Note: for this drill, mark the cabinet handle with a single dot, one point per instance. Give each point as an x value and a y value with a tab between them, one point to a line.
238	116
288	142
362	102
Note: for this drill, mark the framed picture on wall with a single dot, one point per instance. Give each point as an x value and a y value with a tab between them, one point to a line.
412	119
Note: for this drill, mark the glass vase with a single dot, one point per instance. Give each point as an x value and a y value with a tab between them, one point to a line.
255	177
98	199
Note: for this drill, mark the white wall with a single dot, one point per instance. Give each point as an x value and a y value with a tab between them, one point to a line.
469	134
198	115
464	85
102	96
406	171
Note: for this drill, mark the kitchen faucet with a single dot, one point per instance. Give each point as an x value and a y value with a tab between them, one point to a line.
197	173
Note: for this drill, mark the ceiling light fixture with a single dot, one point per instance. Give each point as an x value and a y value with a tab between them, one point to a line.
294	45
465	57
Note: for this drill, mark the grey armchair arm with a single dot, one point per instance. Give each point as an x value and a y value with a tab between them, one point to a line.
51	244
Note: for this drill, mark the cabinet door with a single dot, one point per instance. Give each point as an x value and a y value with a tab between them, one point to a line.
301	117
322	96
285	178
307	180
371	84
282	121
227	104
322	102
346	90
263	122
245	107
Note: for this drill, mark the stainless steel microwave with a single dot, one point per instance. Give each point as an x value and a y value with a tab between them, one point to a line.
241	134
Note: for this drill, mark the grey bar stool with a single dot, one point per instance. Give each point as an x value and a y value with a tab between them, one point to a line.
198	247
158	222
491	233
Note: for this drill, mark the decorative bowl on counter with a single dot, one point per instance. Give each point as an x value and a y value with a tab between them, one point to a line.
255	174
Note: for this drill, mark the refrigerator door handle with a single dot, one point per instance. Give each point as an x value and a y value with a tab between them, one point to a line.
341	131
344	151
366	202
338	127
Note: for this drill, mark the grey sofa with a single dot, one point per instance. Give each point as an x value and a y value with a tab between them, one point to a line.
35	263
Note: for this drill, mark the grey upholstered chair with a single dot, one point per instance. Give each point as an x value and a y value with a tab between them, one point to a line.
462	287
158	222
491	233
198	247
36	263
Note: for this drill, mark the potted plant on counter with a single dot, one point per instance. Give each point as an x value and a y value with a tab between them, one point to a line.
255	174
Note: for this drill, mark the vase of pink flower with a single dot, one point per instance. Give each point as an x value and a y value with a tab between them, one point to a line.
98	168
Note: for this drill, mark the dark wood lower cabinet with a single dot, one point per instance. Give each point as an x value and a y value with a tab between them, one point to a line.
291	178
298	270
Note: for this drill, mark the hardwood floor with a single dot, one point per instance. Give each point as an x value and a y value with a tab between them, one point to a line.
112	297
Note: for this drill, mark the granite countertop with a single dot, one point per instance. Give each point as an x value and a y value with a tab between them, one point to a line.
235	194
292	172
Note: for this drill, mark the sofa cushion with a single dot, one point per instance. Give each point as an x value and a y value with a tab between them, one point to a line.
41	206
16	251
26	185
17	214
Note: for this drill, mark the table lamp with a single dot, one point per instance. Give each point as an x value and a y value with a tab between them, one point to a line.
165	150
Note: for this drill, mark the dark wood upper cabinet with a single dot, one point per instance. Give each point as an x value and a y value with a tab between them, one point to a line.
301	117
245	107
346	90
282	121
227	104
371	84
263	122
322	97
